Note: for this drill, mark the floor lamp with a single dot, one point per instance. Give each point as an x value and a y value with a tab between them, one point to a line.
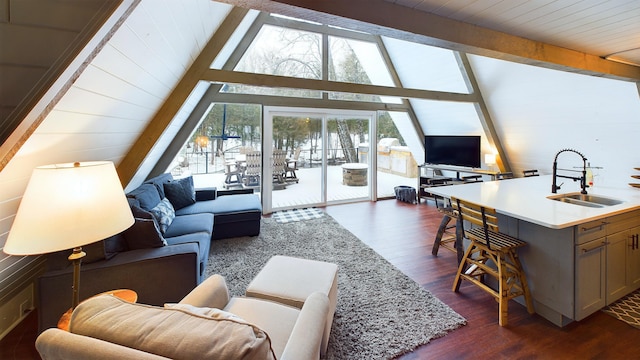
66	206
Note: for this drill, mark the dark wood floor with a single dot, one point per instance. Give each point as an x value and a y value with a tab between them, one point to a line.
403	234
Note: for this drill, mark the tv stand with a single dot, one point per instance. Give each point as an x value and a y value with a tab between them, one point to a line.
426	180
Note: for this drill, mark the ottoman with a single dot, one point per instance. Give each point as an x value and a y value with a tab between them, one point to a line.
288	280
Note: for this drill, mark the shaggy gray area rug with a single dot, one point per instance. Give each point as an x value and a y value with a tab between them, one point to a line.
381	313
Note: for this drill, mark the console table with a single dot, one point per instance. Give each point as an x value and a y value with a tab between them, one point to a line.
426	181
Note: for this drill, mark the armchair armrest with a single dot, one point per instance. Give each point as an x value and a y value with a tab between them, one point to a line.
306	337
212	293
56	344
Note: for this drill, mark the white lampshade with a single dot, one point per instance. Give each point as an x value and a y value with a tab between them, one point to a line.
67	206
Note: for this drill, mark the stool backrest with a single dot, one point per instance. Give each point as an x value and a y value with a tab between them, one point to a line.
504	175
477	215
531	172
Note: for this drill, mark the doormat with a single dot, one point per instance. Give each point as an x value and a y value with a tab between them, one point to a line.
286	216
626	309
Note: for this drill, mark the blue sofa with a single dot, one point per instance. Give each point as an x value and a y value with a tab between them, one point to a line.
162	256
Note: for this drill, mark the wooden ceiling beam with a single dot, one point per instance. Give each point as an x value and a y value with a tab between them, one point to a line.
276	81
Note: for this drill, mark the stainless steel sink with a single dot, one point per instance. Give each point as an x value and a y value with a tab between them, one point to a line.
588	200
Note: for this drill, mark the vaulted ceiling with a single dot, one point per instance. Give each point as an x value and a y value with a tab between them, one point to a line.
571	35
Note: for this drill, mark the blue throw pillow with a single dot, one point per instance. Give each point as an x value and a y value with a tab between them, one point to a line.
147	195
164	214
180	192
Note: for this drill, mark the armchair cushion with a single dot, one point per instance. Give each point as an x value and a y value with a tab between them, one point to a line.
173	333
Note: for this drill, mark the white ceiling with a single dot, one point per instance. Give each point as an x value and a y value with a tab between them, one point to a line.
597	27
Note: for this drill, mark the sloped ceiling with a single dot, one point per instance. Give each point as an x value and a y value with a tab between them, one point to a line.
605	28
38	39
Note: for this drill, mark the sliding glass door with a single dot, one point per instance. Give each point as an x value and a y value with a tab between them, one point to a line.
316	157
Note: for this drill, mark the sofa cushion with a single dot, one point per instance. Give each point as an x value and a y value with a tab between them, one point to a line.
180	192
147	195
172	333
164	214
188	224
143	234
203	239
242	206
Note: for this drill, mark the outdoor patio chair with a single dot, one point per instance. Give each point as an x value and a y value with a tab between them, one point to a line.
251	175
278	165
291	166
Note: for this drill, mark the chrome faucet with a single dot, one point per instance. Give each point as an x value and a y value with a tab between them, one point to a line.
582	179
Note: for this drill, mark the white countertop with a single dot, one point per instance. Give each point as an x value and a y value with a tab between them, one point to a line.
526	199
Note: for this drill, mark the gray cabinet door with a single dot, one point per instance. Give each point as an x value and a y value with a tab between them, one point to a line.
617	265
633	258
590	277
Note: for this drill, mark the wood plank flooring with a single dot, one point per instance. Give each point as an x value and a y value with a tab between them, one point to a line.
403	234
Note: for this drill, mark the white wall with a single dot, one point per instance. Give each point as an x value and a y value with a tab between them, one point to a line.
538	111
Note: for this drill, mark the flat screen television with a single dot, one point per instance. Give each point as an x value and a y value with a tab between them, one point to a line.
463	150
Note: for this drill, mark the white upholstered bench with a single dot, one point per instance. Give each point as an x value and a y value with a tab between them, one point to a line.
288	280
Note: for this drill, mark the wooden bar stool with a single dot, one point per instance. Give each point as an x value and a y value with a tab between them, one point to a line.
488	244
471	179
531	172
445	237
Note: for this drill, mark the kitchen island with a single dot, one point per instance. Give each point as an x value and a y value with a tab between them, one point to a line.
578	259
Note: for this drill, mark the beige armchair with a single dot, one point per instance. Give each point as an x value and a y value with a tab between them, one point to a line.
247	328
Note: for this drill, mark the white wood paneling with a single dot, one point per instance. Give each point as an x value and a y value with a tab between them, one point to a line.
598	27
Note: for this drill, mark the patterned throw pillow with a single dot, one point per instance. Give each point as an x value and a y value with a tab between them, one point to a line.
164	214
